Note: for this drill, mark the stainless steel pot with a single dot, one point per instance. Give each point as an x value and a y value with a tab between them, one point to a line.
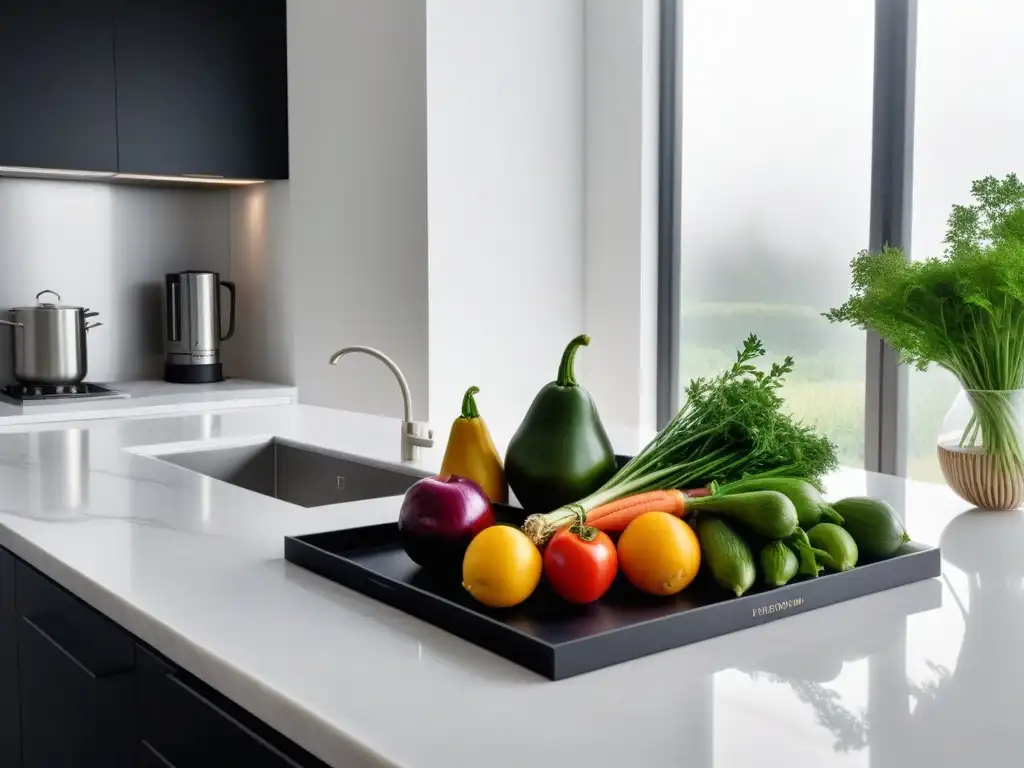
50	342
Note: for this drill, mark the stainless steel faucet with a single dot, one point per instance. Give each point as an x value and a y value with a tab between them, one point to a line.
415	434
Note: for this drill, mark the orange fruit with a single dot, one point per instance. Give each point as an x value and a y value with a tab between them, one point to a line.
502	566
659	553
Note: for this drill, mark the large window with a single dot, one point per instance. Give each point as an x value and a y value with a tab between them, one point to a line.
775	193
774	155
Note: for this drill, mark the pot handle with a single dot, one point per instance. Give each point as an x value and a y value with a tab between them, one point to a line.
47	291
90	326
12	323
231	315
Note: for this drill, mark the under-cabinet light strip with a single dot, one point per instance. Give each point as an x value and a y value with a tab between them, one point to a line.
60	173
187	179
13	170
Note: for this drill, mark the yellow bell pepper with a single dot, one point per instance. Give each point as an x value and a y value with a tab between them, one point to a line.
471	453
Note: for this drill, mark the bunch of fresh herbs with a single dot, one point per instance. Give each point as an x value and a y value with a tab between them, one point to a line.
732	426
963	311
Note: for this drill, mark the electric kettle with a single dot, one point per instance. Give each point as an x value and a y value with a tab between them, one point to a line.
193	334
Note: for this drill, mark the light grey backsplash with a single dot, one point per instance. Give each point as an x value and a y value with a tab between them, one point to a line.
107	247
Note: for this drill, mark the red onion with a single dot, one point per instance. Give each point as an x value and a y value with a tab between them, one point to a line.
439	517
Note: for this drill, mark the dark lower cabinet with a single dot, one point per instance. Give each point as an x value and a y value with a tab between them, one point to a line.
76	675
78	691
186	725
10	718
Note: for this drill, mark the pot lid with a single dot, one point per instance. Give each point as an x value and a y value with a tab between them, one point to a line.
47	304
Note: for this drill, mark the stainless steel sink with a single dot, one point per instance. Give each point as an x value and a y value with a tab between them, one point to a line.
308	478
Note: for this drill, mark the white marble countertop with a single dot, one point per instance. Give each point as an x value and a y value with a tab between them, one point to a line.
928	674
149	398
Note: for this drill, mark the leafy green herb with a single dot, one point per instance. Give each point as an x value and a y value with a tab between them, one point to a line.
731	426
963	312
998	215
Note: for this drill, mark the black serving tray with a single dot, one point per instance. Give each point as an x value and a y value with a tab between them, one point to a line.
558	639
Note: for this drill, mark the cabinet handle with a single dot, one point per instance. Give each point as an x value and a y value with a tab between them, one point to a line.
241	726
95	671
156	754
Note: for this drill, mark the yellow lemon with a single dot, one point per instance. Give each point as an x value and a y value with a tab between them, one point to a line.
502	567
659	553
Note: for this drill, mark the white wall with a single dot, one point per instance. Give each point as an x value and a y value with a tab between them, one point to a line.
472	184
339	252
621	208
506	196
107	247
263	346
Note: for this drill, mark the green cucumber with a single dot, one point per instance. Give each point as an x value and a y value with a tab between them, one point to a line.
726	555
766	513
874	525
811	507
838	548
778	564
800	545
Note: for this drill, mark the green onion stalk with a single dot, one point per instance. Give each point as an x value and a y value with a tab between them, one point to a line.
731	426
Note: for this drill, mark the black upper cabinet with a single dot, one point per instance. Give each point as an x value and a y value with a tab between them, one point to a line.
202	87
57	102
168	87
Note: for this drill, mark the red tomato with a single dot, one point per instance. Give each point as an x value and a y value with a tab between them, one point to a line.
580	571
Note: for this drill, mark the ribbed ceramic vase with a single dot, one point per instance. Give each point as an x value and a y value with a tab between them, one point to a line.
981	450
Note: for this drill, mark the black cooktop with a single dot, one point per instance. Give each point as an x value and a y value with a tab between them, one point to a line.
32	392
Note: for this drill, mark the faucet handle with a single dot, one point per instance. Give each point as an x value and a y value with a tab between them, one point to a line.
415	435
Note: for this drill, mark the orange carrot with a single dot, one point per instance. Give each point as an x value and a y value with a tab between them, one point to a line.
614	516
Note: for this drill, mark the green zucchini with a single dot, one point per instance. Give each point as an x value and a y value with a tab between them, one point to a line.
838	548
778	564
726	555
874	525
766	513
811	507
